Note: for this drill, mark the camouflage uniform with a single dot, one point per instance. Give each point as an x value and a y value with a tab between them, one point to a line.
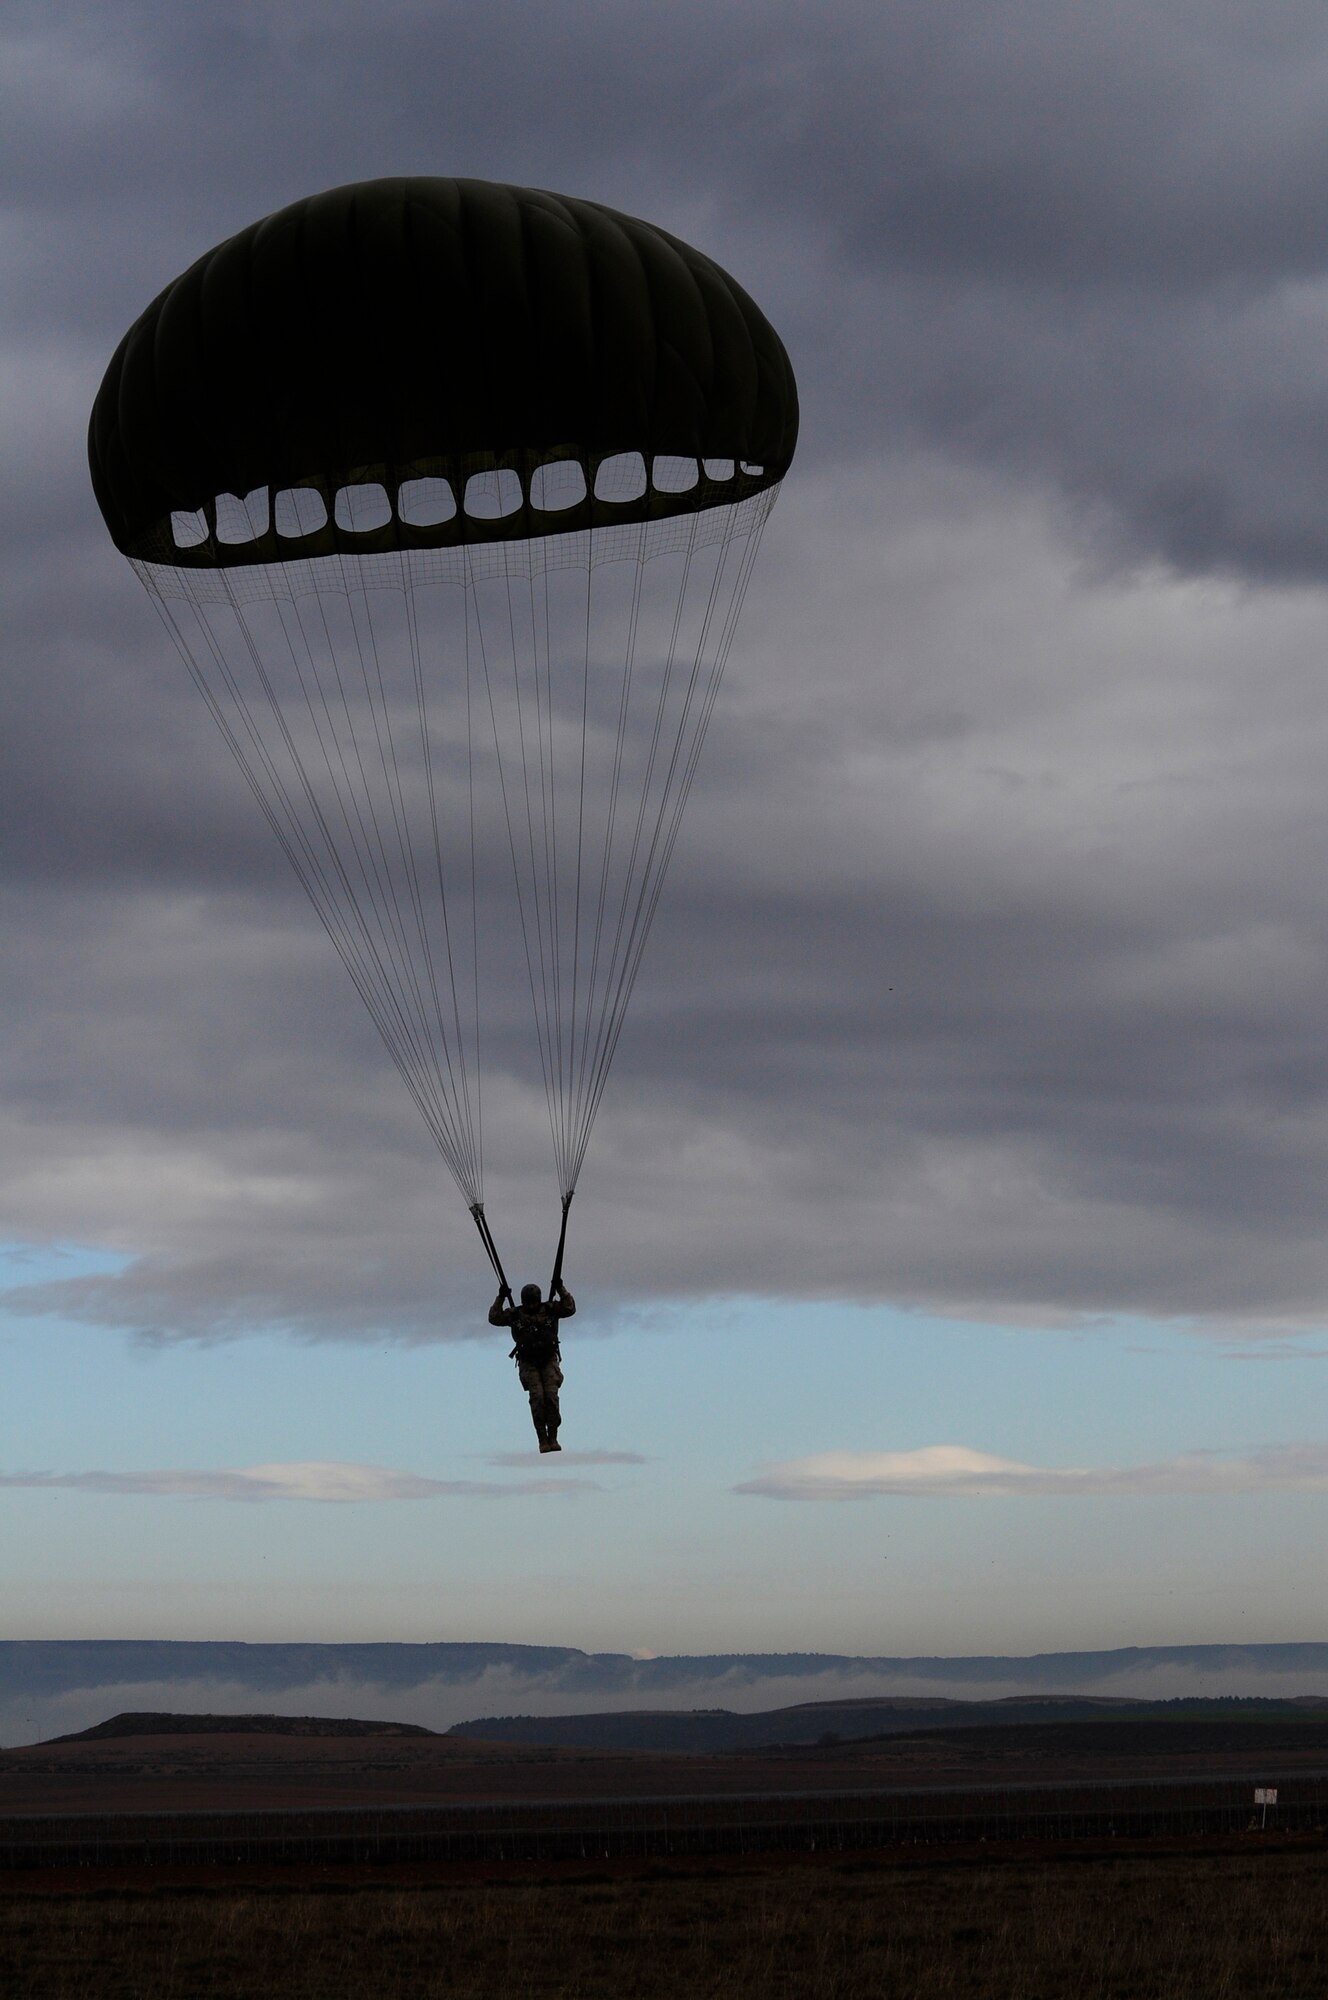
535	1350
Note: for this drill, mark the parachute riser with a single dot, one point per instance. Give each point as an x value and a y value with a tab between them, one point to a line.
557	1277
491	1249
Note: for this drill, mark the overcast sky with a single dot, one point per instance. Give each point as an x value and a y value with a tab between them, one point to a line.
981	1033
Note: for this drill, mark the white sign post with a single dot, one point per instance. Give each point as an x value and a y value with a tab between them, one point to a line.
1265	1796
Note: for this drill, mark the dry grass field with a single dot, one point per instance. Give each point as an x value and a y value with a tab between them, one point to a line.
1162	1916
1112	1925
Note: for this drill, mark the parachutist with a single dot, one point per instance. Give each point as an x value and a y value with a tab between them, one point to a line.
534	1327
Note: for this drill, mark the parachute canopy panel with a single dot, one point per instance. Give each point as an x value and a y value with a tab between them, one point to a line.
499	350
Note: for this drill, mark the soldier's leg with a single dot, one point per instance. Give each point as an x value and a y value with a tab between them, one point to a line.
553	1382
533	1384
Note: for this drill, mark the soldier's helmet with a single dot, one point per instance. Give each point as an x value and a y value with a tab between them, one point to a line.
530	1295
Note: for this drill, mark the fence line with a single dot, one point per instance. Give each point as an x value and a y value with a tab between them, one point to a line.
649	1828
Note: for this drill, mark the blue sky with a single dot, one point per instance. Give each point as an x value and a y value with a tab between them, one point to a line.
663	1554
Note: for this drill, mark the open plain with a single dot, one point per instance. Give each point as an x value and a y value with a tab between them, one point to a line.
1081	1861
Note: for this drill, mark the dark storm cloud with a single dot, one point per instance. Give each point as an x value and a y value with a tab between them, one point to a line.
1084	243
989	973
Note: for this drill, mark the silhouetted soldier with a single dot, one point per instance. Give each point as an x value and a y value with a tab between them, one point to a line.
534	1328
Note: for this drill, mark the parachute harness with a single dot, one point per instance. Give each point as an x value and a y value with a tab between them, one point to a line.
349	690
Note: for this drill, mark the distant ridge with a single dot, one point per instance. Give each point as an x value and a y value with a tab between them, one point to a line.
823	1724
54	1686
132	1723
58	1666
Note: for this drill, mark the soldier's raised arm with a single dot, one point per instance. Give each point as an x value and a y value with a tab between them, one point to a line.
498	1314
566	1305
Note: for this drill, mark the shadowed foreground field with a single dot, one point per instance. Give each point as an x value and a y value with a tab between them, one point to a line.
1100	1926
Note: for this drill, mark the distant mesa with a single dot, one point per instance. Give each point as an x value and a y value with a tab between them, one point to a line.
826	1724
712	1731
456	1677
131	1723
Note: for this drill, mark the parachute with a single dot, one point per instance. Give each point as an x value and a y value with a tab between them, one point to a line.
449	494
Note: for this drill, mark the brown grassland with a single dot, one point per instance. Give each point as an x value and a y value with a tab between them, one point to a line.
1227	1918
1169	1917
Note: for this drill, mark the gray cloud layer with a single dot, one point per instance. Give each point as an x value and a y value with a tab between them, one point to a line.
989	975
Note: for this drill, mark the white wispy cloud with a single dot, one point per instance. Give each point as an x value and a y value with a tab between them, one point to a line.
311	1479
517	1458
957	1471
1275	1349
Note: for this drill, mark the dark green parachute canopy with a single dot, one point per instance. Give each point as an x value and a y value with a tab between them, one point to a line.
430	329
